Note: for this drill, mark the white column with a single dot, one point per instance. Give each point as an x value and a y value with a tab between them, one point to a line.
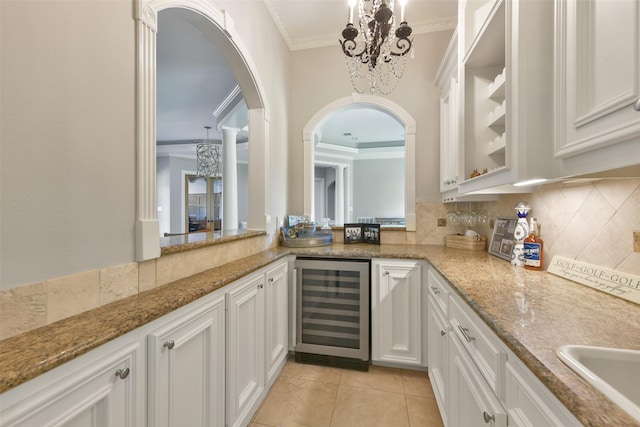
340	195
229	180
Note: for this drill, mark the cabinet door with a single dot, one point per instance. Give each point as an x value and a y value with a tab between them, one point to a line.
245	349
186	369
531	404
276	319
100	393
598	75
472	403
396	312
438	357
449	151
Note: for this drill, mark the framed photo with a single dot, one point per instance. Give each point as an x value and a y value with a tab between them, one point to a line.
353	233
371	233
295	219
502	241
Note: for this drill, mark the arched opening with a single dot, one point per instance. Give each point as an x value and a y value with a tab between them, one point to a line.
218	28
344	190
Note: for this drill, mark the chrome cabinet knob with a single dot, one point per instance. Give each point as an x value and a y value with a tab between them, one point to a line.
443	333
122	373
169	344
260	286
636	106
435	290
386	273
270	279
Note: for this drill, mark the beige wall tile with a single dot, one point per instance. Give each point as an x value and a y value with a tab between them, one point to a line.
22	309
73	294
118	282
392	237
147	275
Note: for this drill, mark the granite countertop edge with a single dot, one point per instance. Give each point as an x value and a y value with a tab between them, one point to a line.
25	356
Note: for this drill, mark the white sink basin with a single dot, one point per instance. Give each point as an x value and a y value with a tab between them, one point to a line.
615	372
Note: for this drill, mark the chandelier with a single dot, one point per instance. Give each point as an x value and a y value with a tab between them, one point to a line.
208	157
376	60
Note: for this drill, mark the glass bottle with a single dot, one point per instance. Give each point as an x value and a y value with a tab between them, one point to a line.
533	248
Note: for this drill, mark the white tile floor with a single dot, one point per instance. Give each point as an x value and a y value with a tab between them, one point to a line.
307	395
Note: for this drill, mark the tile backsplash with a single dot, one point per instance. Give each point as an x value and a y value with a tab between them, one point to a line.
593	221
30	306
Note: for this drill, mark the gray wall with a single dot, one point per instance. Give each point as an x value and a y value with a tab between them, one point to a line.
68	148
378	188
314	86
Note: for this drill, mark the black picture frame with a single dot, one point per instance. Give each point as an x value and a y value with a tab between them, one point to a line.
371	233
353	233
502	241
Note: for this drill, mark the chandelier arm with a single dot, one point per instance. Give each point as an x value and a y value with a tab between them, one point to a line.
405	47
348	46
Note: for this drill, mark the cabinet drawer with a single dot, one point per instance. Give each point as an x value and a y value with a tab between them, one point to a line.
489	355
439	290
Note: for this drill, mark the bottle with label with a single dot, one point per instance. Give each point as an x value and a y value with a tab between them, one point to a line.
533	247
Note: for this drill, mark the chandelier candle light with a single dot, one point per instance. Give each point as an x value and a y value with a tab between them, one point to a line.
208	157
375	60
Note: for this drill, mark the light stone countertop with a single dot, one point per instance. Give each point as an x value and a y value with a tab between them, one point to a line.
532	312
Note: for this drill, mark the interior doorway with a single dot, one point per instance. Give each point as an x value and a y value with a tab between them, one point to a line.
203	203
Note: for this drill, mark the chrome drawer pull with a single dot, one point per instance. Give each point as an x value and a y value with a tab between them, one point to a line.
464	333
488	417
636	106
435	290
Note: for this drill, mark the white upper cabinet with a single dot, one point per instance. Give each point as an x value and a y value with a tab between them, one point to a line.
506	94
447	81
597	72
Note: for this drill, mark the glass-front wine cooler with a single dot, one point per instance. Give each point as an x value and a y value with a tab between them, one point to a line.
332	312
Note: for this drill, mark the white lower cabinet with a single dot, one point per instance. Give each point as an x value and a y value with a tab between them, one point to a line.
397	322
438	356
276	319
245	348
208	363
472	401
529	403
476	379
96	389
186	368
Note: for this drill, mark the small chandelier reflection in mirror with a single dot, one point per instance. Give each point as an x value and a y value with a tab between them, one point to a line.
208	157
376	60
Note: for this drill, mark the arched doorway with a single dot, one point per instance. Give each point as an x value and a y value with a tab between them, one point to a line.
311	135
218	29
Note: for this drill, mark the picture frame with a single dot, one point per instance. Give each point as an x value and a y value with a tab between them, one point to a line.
502	240
353	233
371	233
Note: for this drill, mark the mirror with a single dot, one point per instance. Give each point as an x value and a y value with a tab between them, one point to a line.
212	23
359	168
196	88
359	155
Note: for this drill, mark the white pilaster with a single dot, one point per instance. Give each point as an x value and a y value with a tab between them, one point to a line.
340	195
229	179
